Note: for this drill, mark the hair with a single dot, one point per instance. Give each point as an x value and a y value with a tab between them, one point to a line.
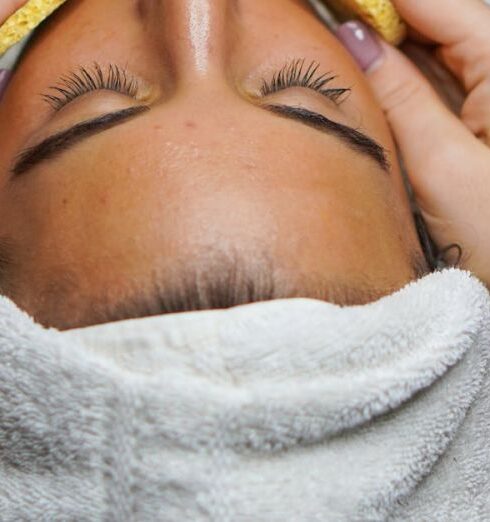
222	282
435	257
211	280
5	261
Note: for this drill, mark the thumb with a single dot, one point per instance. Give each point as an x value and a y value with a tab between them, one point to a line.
9	7
447	165
430	137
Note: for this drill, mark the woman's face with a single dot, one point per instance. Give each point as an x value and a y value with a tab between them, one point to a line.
217	165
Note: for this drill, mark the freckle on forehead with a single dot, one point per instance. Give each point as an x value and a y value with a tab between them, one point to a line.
190	124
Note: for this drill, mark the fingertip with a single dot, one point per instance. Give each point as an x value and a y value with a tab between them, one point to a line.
4	80
362	43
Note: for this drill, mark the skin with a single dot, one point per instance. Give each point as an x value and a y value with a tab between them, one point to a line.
206	169
451	185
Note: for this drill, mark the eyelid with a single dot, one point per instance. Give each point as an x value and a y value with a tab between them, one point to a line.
89	79
294	74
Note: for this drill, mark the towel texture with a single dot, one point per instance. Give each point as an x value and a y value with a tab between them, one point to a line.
289	410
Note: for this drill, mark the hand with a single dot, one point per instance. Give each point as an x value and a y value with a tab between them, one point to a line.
447	156
8	8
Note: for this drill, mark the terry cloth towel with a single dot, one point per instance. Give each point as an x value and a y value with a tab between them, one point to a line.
292	410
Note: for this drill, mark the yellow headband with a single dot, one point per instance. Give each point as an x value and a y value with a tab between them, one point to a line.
26	19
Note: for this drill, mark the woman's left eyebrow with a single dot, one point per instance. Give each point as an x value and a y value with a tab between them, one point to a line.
63	140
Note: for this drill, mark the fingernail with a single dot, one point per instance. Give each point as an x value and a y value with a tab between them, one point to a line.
4	80
362	43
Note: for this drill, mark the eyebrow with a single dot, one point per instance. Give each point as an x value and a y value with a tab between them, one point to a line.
353	138
55	145
64	140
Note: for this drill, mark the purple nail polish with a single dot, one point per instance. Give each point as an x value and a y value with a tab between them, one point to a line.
361	42
4	80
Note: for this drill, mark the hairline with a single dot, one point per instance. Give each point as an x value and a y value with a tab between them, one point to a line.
192	291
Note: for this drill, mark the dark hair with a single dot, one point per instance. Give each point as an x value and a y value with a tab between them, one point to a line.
436	257
210	280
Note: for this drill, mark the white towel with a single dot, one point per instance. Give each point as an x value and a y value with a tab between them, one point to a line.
289	410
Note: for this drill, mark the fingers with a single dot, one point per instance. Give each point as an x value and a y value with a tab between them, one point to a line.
476	112
8	8
461	29
430	137
423	126
448	167
448	22
419	119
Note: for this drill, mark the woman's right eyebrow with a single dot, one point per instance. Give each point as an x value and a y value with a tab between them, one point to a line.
351	137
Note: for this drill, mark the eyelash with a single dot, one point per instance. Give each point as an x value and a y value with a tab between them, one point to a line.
294	74
115	78
85	80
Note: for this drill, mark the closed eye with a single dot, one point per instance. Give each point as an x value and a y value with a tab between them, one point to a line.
295	74
89	79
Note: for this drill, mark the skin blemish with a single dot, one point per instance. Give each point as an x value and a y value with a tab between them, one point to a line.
189	124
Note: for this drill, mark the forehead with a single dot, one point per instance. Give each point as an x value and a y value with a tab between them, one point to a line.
207	168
